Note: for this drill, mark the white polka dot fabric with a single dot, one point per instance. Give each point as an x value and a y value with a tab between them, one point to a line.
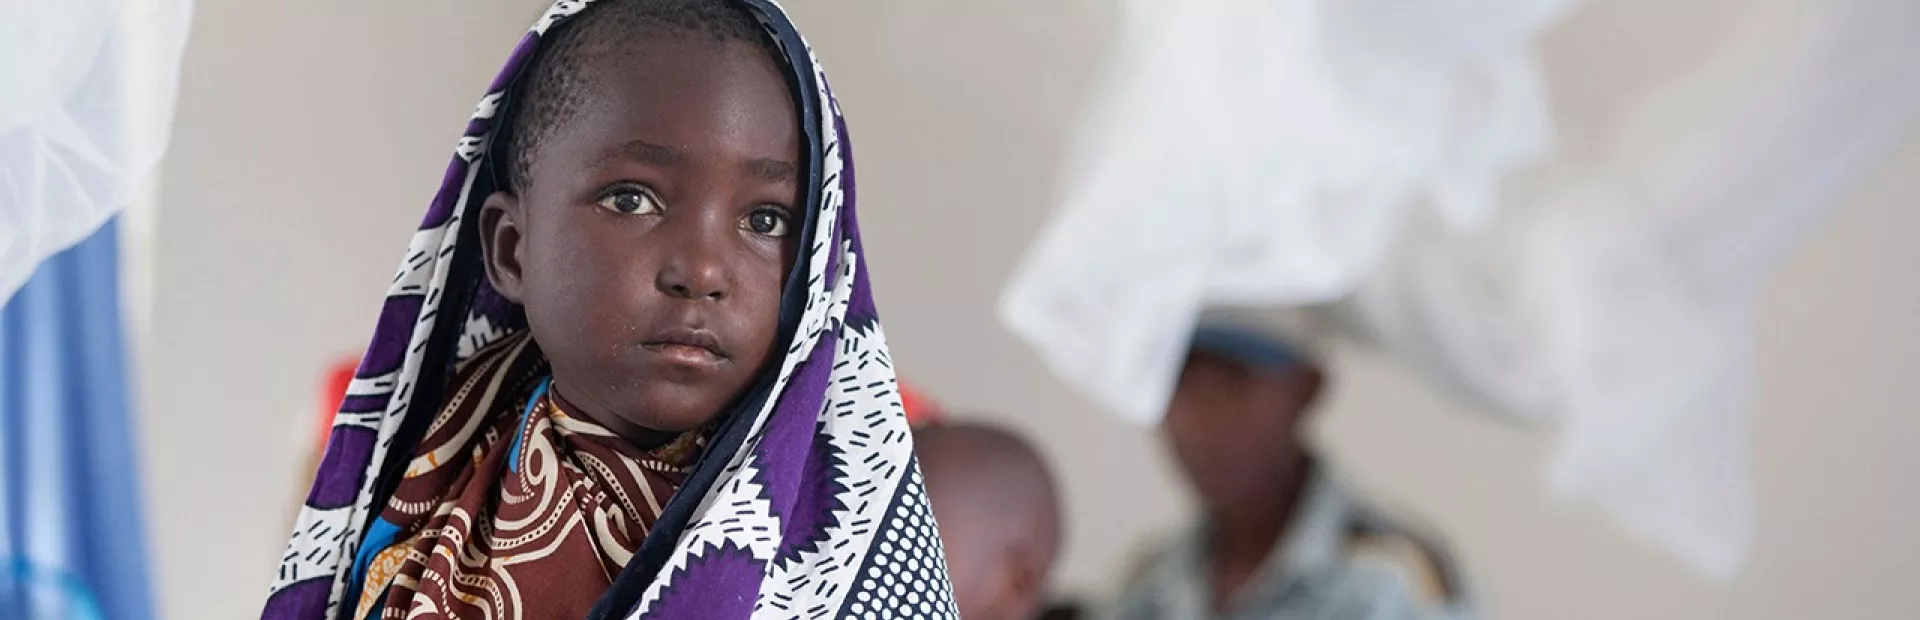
905	575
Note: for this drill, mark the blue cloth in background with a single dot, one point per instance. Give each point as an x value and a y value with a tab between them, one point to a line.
1245	345
72	541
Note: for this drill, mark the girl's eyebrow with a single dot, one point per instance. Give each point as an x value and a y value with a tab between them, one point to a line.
644	152
767	169
763	168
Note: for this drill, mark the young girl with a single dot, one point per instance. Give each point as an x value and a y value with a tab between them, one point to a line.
630	367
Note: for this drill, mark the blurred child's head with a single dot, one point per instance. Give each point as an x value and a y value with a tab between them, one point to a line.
999	516
1232	422
655	199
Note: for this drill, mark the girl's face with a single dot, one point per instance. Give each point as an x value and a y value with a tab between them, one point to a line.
656	232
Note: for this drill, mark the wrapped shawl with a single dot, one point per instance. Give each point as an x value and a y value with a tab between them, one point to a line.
805	502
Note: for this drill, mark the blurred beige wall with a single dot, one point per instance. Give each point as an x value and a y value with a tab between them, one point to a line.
308	139
311	135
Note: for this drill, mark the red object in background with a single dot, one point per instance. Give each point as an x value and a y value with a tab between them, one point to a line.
921	410
333	394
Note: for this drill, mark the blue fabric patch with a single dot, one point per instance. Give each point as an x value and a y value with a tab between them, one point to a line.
1246	346
380	535
513	454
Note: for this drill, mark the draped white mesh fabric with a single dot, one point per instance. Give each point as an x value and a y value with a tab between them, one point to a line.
1263	152
86	99
1615	298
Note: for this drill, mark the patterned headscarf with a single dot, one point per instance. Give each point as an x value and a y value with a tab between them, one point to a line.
807	502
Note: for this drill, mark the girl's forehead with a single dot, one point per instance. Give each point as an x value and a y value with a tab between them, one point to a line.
668	100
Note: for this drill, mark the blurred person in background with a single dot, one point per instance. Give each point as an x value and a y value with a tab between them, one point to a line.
999	516
1279	537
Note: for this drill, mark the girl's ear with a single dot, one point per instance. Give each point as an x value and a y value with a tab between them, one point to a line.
500	237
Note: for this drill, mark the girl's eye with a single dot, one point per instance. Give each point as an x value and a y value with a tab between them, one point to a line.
769	222
630	201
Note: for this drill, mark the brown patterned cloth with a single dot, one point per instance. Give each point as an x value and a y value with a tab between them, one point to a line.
511	508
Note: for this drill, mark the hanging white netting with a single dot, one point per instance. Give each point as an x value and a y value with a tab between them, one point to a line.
1336	154
86	99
